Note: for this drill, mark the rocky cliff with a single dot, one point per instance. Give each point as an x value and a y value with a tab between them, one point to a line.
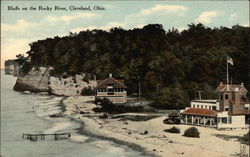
39	80
36	80
69	86
11	67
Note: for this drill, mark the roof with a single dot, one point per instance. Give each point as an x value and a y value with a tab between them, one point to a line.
205	101
200	112
231	87
110	80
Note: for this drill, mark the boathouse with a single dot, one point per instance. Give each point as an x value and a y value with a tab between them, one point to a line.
112	89
230	110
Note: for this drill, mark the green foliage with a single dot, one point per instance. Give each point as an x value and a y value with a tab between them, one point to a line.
107	106
192	132
87	91
170	65
173	130
171	98
138	118
246	138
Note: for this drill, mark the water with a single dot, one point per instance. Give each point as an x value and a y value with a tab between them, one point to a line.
29	113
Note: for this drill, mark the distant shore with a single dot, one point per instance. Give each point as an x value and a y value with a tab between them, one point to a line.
156	142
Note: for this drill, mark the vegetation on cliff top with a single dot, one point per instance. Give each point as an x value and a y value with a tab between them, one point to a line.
170	66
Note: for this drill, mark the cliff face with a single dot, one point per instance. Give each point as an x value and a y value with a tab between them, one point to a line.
11	67
69	86
36	80
39	80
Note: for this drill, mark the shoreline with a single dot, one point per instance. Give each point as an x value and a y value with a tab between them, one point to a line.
156	142
84	131
132	146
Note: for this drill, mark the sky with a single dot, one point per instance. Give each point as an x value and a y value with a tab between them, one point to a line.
21	27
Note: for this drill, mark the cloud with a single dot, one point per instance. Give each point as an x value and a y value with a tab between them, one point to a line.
233	16
20	26
162	9
104	27
69	18
11	47
207	16
141	18
162	12
246	24
180	29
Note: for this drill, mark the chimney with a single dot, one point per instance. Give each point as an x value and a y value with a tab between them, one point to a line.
110	75
242	84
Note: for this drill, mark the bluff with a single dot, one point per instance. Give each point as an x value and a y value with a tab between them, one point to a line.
40	80
36	80
11	67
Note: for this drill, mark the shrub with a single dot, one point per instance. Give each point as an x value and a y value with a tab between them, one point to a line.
87	91
106	105
246	138
140	118
172	120
173	130
103	116
192	132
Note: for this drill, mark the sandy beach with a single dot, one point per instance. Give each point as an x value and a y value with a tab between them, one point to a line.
156	142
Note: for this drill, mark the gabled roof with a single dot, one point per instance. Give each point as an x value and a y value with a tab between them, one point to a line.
200	112
110	80
229	87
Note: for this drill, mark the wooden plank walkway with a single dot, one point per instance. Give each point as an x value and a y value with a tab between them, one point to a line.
35	137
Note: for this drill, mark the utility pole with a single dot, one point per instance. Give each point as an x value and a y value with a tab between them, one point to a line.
139	90
227	72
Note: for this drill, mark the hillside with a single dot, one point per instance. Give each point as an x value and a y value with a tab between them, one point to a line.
170	65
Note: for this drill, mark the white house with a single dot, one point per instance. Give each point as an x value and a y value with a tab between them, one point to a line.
229	111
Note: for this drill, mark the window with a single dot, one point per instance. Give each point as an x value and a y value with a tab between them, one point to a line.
201	106
193	106
206	106
224	120
226	96
221	96
198	106
210	107
110	89
214	107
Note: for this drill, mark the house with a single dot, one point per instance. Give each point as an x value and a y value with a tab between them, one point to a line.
230	110
113	89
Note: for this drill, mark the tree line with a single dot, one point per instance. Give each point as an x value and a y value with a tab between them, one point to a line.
171	66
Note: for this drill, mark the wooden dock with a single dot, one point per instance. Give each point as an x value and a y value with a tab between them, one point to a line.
35	137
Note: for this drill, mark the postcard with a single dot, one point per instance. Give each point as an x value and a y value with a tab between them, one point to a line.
125	78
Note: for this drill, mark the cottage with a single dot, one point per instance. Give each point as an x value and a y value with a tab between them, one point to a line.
113	89
228	111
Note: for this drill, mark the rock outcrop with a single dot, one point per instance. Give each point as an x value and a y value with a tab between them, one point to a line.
11	67
69	86
39	80
36	80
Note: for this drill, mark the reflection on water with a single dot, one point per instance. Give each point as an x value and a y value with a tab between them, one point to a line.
29	113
